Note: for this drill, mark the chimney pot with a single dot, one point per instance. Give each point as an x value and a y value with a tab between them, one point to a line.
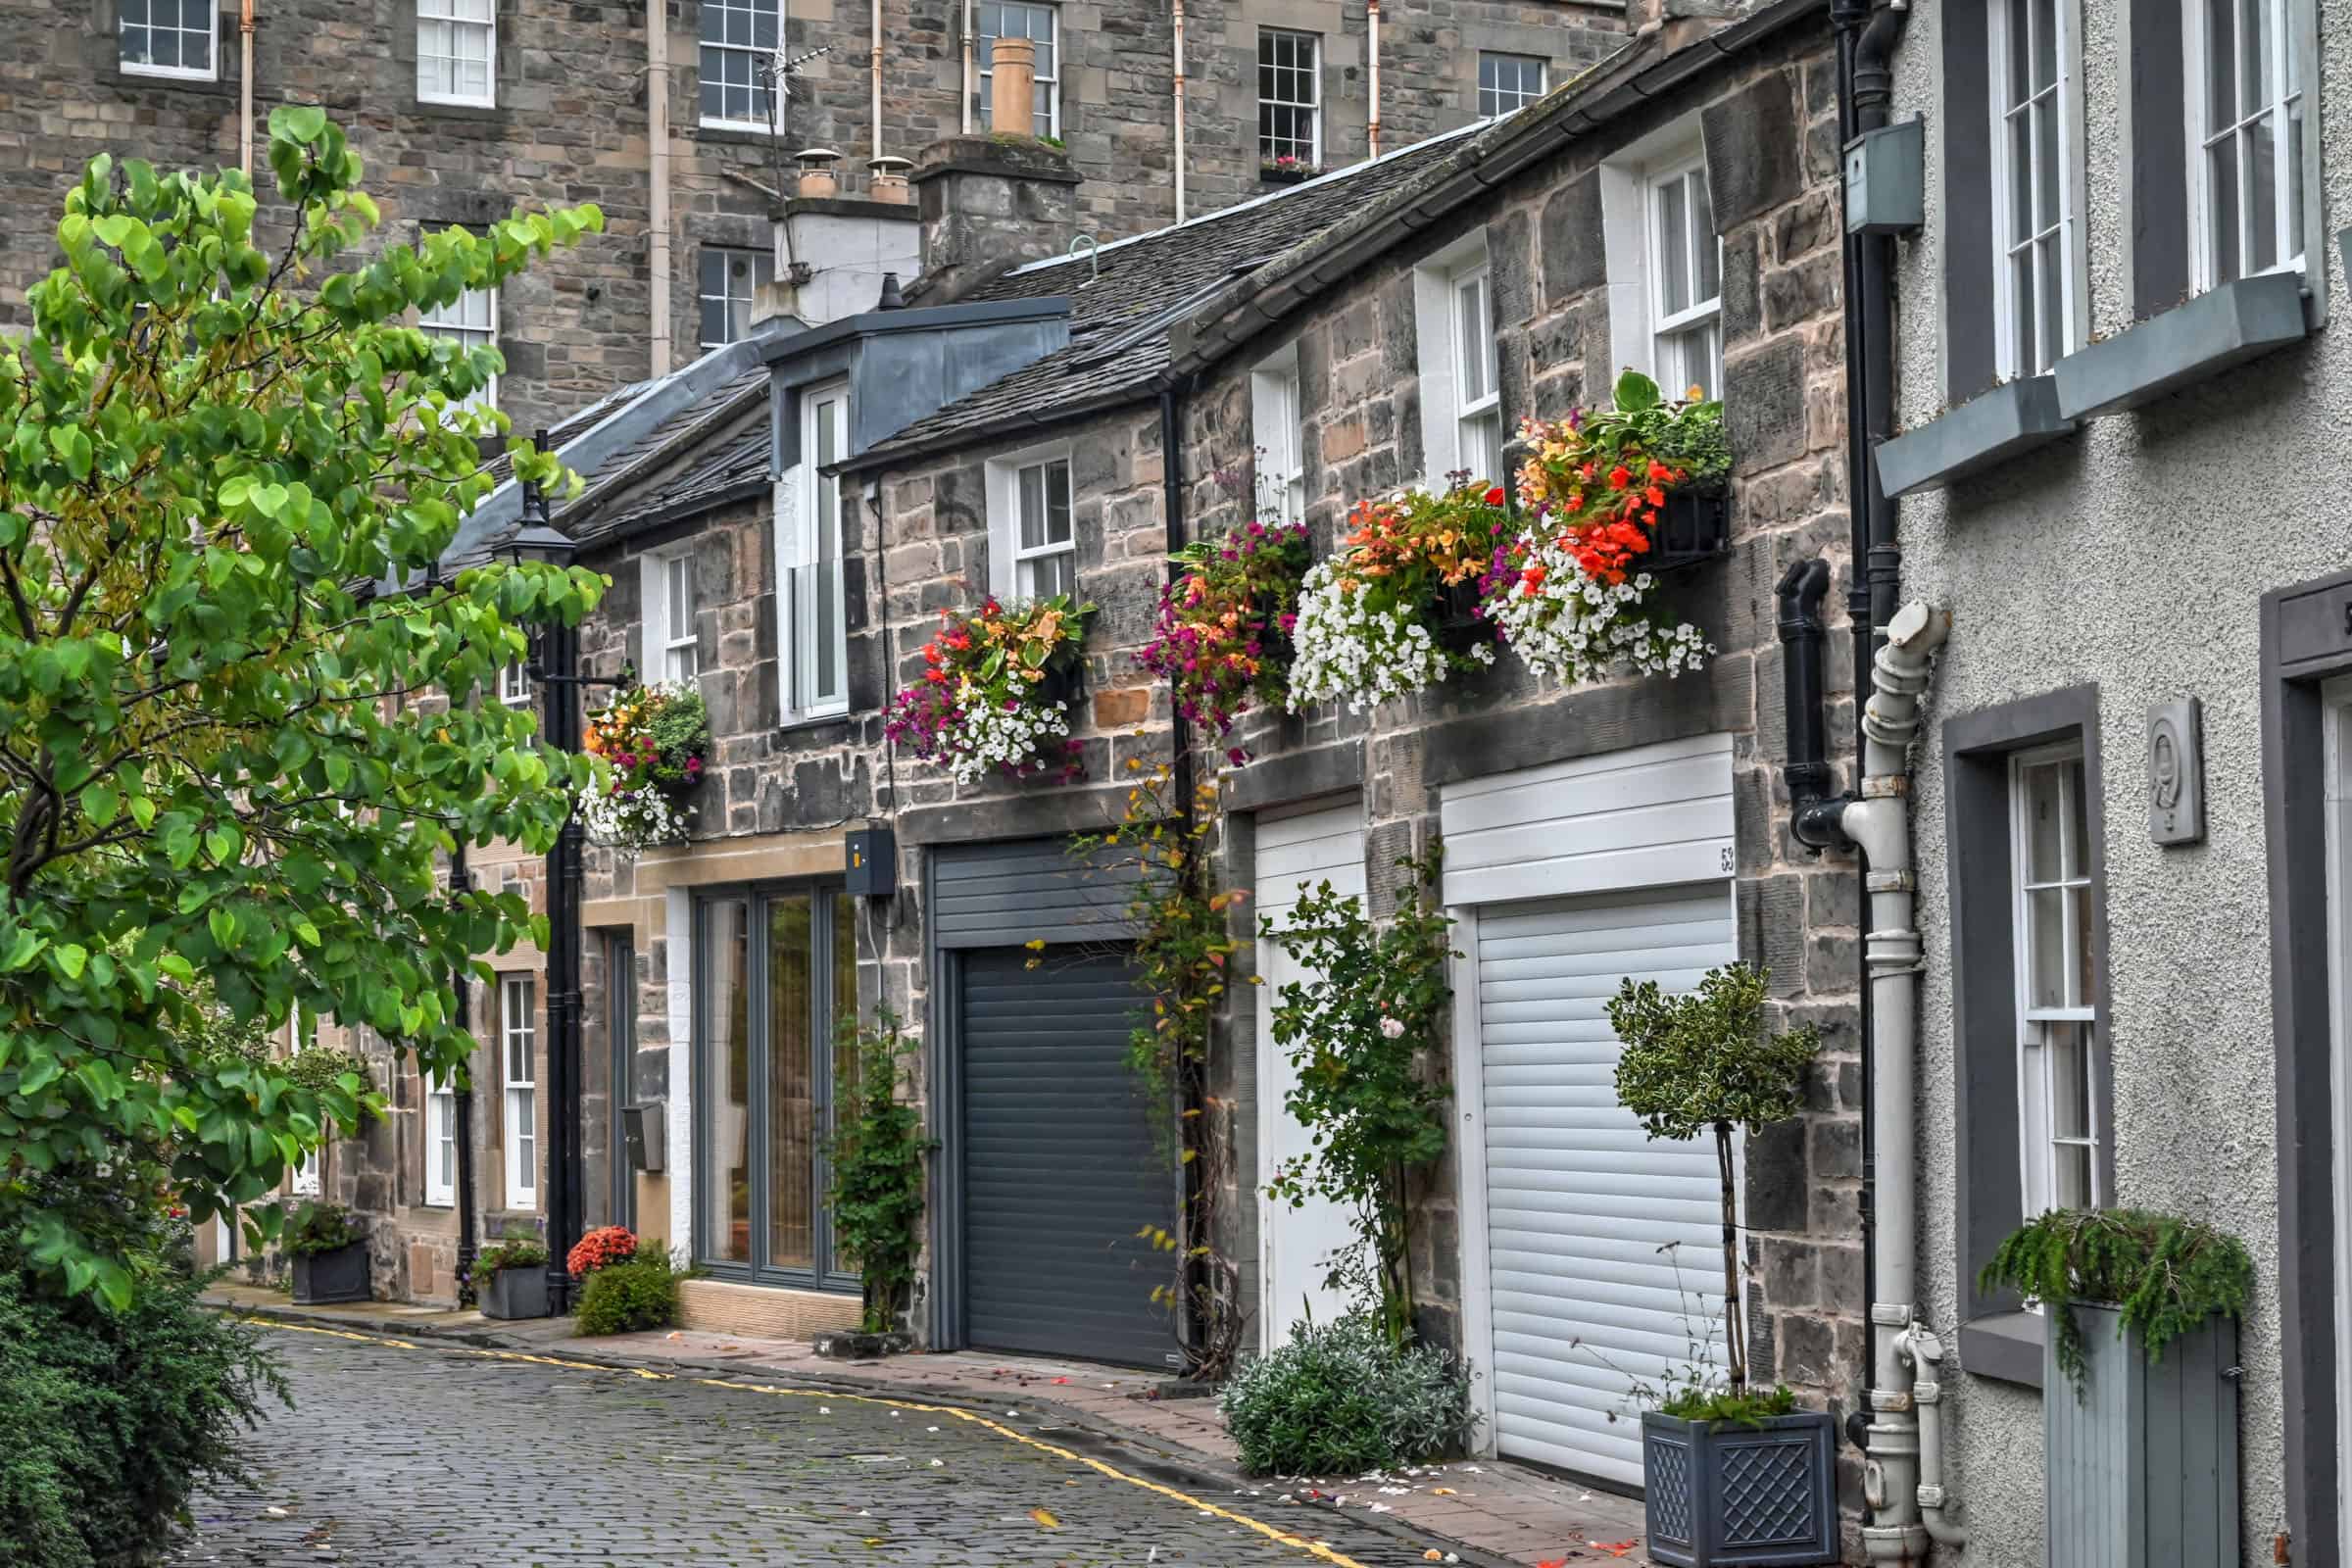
1012	80
816	171
887	179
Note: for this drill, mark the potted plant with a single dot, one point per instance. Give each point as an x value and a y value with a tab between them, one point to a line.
1288	169
330	1255
1698	1063
1613	500
998	690
1394	611
656	740
1223	640
510	1278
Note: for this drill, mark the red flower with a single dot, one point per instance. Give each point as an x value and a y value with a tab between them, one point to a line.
1620	476
1494	497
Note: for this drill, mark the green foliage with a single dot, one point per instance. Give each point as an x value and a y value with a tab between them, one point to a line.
1340	1398
876	1157
1712	1401
1356	1031
629	1298
113	1416
1701	1062
223	798
2167	1274
1688	435
321	1228
510	1251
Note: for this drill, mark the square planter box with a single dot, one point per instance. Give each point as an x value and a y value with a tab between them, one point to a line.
320	1278
2142	1464
1722	1493
516	1292
1693	528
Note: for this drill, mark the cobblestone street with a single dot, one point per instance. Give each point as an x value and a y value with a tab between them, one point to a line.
425	1453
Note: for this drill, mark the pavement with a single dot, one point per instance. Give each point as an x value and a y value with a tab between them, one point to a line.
428	1436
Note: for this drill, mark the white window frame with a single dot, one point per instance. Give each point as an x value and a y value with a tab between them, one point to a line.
440	1138
2037	1057
726	299
1450	420
515	685
2060	233
457	321
1489	98
810	563
1476	414
752	50
519	1078
2290	67
1311	106
212	46
1670	330
443	14
1048	117
669	645
1012	567
1276	431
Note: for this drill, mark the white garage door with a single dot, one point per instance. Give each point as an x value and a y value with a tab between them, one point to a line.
1295	855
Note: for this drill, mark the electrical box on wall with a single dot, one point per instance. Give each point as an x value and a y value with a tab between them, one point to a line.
873	862
1887	178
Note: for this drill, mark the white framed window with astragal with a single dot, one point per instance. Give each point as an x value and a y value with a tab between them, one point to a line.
816	631
456	52
1277	435
519	1059
1032	536
1508	83
440	1147
1290	95
729	280
170	38
1478	388
2036	167
515	685
2057	1019
1686	279
470	320
1039	24
669	641
2250	119
738	37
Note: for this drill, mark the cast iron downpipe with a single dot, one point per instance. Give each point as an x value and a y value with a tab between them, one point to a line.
1807	769
461	988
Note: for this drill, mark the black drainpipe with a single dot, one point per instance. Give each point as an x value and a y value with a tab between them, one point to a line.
461	985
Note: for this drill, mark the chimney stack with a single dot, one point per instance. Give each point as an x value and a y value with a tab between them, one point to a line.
990	203
1012	79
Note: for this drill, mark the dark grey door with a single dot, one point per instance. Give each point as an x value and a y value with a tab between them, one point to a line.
1061	1164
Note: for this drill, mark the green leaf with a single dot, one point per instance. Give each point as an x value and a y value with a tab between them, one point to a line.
1636	392
296	123
72	957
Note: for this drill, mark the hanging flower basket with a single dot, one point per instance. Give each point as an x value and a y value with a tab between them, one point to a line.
1396	611
657	740
998	690
1224	634
1613	496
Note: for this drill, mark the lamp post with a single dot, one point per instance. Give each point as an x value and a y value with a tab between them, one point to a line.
555	667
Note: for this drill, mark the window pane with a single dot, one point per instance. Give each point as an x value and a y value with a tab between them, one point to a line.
2045	162
1674	255
725	1195
2262	192
1033	506
2051	968
1709	249
2045	805
2071	1180
2053	306
2045	44
2254	56
2221	57
1058	502
2294	173
791	1084
2019	44
2221	161
2070	1079
1053	575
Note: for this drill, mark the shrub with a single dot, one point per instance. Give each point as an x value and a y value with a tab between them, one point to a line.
112	1418
877	1155
601	1248
1339	1398
629	1298
321	1228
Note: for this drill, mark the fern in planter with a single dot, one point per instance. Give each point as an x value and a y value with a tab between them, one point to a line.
2165	1274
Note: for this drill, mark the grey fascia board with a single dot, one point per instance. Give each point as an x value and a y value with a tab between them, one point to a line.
914	318
2009	1347
2013	417
2189	343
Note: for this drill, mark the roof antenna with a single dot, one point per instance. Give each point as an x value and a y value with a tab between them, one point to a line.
1094	255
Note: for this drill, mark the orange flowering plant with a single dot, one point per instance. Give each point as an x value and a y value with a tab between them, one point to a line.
1374	619
656	739
607	1244
984	701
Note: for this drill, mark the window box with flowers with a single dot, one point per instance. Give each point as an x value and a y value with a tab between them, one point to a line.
656	740
1223	640
1397	611
510	1278
1611	499
1287	171
998	690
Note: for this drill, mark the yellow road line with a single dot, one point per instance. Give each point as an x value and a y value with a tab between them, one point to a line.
1313	1549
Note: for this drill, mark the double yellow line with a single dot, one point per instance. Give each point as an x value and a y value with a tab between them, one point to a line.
1313	1549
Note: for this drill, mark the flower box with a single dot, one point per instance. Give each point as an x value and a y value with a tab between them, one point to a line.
1287	172
1693	528
516	1292
1065	682
1457	626
339	1274
1724	1493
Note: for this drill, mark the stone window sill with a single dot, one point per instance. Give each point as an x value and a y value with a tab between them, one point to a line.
486	114
2192	342
2006	1347
2013	417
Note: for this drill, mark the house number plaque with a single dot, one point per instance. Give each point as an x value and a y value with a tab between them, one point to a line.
2175	774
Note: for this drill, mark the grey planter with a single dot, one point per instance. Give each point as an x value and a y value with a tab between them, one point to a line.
1719	1492
516	1292
322	1278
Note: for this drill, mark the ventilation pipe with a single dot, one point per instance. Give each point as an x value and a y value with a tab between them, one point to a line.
657	153
245	89
1178	76
875	26
1372	82
968	77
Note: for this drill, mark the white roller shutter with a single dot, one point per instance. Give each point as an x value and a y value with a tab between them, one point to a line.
1295	855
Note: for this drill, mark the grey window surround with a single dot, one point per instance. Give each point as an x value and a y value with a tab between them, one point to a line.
2192	342
2306	638
1989	1188
1987	430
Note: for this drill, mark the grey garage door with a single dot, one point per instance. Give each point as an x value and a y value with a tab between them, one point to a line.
1061	1168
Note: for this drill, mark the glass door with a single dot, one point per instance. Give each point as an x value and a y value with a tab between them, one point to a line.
779	966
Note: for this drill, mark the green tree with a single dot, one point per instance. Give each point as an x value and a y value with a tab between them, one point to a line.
1701	1062
221	752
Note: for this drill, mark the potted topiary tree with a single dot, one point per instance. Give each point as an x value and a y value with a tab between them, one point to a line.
1733	1473
510	1278
330	1255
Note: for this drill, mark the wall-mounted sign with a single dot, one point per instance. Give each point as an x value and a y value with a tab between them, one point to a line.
2176	773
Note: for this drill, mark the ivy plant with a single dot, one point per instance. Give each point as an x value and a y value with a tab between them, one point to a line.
877	1155
2168	1275
230	463
1362	1031
1703	1062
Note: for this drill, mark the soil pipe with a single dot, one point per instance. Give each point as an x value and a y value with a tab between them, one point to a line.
874	26
1177	70
1372	81
657	155
968	77
245	89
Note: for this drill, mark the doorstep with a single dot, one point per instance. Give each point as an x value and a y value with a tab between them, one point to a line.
1506	1511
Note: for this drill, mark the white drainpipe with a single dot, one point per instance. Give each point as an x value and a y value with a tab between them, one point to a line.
1879	824
1925	1352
